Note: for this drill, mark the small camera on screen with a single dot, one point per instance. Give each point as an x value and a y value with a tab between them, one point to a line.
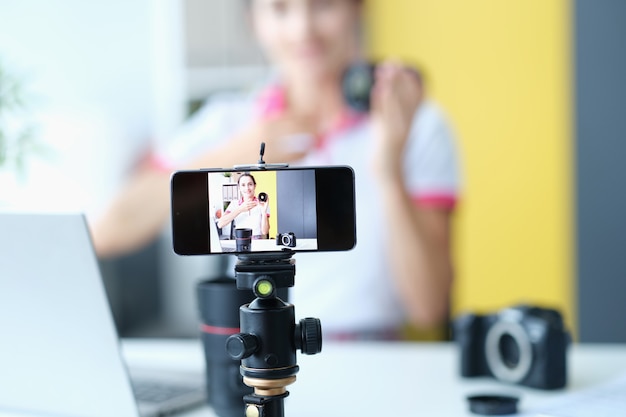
522	345
286	239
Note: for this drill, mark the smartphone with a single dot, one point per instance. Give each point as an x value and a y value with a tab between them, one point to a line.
237	211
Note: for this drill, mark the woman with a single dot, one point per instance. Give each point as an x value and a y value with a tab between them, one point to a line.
248	211
403	154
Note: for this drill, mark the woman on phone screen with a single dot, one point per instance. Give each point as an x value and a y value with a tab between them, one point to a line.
248	211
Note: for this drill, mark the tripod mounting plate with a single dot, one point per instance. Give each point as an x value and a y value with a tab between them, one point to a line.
265	274
266	257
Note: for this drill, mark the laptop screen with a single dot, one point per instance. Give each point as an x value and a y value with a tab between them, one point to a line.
59	351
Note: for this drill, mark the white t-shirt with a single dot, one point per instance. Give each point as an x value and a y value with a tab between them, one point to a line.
349	291
250	219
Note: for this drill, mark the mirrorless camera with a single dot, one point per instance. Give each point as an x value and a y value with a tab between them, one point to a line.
286	239
522	345
358	80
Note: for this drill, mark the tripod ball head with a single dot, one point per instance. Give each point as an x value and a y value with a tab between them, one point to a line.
307	338
265	345
269	334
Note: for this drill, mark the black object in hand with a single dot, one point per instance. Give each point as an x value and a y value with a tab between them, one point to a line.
357	83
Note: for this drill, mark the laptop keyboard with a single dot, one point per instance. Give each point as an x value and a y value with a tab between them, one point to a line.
156	392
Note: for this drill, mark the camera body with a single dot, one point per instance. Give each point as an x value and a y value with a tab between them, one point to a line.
522	345
358	80
286	239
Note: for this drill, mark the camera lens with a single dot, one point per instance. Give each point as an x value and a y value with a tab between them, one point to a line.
243	239
263	197
218	303
285	239
509	351
356	85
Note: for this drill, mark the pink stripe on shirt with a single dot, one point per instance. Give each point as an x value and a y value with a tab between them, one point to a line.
272	101
444	200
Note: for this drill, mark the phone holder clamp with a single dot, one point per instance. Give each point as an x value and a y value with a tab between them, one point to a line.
261	165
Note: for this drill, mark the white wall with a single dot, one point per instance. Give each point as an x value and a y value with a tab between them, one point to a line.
221	52
104	79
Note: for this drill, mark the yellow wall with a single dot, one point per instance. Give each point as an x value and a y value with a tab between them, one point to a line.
501	69
266	182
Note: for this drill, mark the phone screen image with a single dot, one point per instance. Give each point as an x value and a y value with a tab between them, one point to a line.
238	211
247	212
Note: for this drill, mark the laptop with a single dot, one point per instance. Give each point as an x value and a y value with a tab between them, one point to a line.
59	350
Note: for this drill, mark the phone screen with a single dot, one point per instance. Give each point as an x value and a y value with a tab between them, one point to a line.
217	211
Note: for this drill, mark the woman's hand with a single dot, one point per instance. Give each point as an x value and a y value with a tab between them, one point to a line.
397	93
421	266
287	138
246	206
264	205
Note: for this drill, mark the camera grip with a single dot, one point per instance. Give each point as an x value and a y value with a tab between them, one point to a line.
467	331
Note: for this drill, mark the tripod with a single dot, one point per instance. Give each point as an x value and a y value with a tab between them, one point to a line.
269	334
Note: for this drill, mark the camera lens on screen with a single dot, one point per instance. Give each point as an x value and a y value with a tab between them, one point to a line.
263	197
243	239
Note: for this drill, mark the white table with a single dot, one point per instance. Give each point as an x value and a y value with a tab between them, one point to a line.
387	379
267	245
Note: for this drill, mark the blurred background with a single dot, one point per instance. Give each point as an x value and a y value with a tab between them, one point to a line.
534	88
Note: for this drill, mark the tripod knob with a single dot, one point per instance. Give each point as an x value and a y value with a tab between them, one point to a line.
241	345
309	336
